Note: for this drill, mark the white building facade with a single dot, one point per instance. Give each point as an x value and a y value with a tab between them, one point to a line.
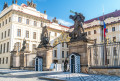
23	22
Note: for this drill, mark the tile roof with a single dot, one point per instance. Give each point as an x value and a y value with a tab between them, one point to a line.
112	14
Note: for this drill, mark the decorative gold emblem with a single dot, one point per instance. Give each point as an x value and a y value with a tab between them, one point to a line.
64	37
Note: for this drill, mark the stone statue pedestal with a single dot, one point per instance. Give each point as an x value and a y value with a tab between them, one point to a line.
80	47
46	54
13	54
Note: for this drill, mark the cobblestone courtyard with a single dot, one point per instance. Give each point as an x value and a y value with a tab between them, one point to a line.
23	75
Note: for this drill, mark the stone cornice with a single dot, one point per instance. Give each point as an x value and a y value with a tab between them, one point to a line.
27	14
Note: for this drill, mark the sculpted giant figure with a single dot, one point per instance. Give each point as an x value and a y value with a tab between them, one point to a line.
78	32
44	38
24	45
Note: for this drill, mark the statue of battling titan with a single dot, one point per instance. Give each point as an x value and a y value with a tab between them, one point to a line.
78	32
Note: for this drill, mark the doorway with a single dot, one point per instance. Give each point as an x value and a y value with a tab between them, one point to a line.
74	63
38	64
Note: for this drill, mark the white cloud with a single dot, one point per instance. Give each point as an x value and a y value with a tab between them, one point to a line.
63	22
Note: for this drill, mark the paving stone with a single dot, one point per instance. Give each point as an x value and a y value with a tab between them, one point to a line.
24	75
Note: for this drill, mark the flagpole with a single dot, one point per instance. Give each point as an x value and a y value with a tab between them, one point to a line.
105	51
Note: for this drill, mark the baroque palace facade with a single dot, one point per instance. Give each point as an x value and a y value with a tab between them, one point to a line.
25	22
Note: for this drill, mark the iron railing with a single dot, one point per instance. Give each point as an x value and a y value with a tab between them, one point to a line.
98	58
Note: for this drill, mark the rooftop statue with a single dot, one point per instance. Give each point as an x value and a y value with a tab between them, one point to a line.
31	4
78	32
5	5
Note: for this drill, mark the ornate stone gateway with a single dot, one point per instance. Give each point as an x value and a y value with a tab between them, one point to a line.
74	63
38	63
44	50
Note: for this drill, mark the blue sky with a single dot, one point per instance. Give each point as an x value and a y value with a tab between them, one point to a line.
61	8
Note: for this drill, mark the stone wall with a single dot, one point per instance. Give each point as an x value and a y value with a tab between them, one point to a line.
105	71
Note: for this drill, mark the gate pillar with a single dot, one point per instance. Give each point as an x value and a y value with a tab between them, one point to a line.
79	48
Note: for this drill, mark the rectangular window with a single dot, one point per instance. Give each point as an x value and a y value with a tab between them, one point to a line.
27	21
35	23
6	21
19	19
113	29
8	32
34	35
67	45
2	35
3	60
19	32
55	53
7	46
3	23
95	32
62	54
9	19
89	32
6	60
1	49
4	48
18	45
27	34
5	34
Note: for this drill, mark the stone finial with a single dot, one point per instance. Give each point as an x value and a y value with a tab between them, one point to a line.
12	1
45	12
